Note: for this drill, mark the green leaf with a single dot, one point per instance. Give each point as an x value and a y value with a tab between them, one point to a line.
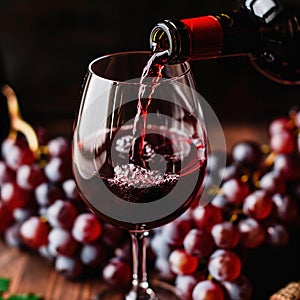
4	284
24	297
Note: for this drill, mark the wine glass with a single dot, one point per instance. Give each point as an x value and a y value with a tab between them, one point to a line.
139	150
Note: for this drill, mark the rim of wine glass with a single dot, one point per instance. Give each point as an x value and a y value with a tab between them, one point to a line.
128	81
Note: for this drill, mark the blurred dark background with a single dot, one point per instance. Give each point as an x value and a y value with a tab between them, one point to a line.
46	47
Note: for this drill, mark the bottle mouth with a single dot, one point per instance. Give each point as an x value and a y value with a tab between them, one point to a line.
161	39
167	37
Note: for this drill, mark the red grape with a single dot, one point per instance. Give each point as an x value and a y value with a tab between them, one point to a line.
204	217
251	233
182	263
224	265
258	205
6	174
18	156
225	235
6	216
30	176
86	228
198	243
283	142
280	124
34	232
185	284
235	190
208	290
14	196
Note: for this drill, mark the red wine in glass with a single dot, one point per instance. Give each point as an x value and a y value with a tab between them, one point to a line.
139	148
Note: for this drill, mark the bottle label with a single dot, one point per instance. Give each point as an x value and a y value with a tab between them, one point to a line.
206	37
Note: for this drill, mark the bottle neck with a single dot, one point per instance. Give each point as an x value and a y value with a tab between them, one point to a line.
205	37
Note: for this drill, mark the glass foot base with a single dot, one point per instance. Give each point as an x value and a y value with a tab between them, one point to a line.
162	290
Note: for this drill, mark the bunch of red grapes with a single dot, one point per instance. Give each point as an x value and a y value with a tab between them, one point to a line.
204	253
41	211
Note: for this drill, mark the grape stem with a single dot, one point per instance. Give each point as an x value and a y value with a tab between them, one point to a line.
17	124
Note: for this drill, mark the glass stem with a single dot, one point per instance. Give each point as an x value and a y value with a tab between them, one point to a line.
140	286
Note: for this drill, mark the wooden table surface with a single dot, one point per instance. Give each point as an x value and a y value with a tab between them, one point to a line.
32	273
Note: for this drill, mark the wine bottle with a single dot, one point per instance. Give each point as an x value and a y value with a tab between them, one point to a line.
267	31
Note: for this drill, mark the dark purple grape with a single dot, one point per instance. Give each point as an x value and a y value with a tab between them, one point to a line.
198	243
230	171
113	236
247	154
58	170
61	214
30	176
238	289
70	267
251	233
59	147
185	284
46	193
174	232
277	235
288	166
70	189
124	251
164	268
286	208
117	273
94	254
221	202
61	242
12	235
160	247
272	182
